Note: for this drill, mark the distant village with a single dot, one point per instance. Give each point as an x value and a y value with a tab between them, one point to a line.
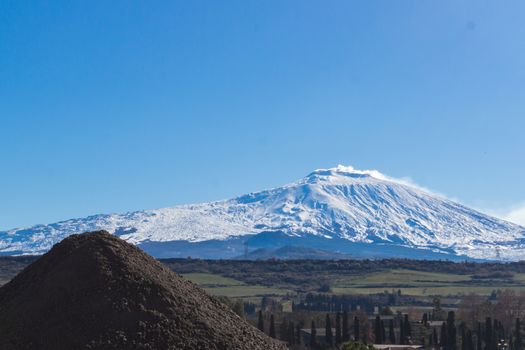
475	323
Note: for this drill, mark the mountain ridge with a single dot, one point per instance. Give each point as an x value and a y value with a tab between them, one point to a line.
360	206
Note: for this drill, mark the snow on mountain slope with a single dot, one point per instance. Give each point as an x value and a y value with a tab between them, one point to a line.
359	206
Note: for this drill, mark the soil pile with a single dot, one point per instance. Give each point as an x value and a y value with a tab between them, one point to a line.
95	291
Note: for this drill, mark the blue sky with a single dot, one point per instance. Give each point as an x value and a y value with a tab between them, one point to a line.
121	105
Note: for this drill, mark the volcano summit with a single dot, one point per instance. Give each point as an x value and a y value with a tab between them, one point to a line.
358	212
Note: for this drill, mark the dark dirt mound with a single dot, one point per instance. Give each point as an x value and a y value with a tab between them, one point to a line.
95	291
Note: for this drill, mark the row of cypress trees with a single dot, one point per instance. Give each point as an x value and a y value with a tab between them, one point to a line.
490	336
290	333
260	324
288	330
405	331
342	330
342	327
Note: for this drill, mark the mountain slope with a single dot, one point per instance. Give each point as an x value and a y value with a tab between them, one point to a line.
339	203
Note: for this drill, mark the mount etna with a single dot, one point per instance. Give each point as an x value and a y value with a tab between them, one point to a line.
329	213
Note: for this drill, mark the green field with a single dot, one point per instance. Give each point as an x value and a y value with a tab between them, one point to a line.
223	286
410	282
420	283
252	280
211	280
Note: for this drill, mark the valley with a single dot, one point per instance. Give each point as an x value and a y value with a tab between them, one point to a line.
283	293
276	278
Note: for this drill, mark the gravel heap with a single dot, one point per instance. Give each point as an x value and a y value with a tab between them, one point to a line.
95	291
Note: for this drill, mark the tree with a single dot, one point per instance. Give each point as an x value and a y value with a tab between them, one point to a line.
338	335
434	337
377	330
408	329
478	337
346	330
488	334
405	330
298	333
328	331
238	307
283	330
470	343
324	288
272	327
356	346
443	342
391	333
451	331
313	335
470	309
498	333
402	335
264	303
437	311
291	333
356	328
463	336
387	311
504	310
383	335
260	322
518	343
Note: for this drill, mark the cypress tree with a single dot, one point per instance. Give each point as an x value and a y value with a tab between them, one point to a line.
338	328
346	329
408	328
298	334
313	335
470	343
283	330
291	333
518	344
496	334
451	331
478	337
391	333
328	330
383	334
402	335
260	322
272	327
443	342
356	328
463	336
488	334
377	330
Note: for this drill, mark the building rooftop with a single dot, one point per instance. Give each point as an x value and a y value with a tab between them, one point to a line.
320	332
396	346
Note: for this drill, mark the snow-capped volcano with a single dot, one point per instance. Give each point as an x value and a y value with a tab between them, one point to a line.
339	205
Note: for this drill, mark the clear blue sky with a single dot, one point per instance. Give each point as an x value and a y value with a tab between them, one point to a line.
110	106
